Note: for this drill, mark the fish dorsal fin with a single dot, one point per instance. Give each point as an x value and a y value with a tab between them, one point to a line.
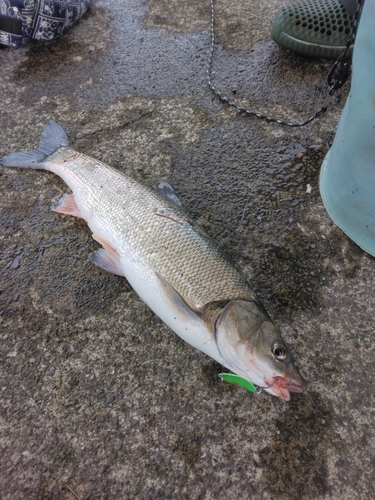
178	301
166	190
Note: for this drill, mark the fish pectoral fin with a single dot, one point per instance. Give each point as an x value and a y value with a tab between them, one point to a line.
106	261
178	301
67	205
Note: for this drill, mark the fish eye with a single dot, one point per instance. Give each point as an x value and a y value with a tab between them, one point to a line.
279	351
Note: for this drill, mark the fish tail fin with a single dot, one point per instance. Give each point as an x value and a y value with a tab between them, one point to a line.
52	138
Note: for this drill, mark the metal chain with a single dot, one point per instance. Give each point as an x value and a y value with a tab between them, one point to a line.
341	69
336	81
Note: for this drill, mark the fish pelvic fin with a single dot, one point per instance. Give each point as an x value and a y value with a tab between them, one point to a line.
107	258
106	261
53	137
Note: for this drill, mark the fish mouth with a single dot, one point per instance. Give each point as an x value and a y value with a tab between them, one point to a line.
282	387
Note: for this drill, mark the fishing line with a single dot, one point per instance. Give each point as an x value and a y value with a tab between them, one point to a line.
266	387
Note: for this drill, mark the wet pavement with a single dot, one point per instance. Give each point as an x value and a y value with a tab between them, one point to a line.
99	399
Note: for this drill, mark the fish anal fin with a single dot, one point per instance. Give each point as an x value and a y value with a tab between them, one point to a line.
106	261
67	205
178	301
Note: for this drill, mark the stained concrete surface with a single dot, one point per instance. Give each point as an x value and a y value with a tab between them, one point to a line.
99	399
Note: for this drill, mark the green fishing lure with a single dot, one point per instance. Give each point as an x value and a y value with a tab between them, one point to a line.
237	380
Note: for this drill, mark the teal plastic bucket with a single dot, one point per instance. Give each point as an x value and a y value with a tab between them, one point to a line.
347	177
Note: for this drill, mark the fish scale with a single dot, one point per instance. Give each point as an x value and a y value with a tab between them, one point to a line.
126	213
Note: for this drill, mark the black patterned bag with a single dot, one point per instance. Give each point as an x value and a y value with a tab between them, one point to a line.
37	19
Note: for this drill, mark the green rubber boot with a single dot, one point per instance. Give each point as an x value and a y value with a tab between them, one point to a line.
315	28
347	177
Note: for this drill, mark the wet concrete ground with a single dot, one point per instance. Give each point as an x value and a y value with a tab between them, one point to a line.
99	399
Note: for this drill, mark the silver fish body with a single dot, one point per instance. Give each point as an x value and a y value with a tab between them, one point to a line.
140	223
170	262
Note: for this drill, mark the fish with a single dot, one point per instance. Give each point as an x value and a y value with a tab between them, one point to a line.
147	237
